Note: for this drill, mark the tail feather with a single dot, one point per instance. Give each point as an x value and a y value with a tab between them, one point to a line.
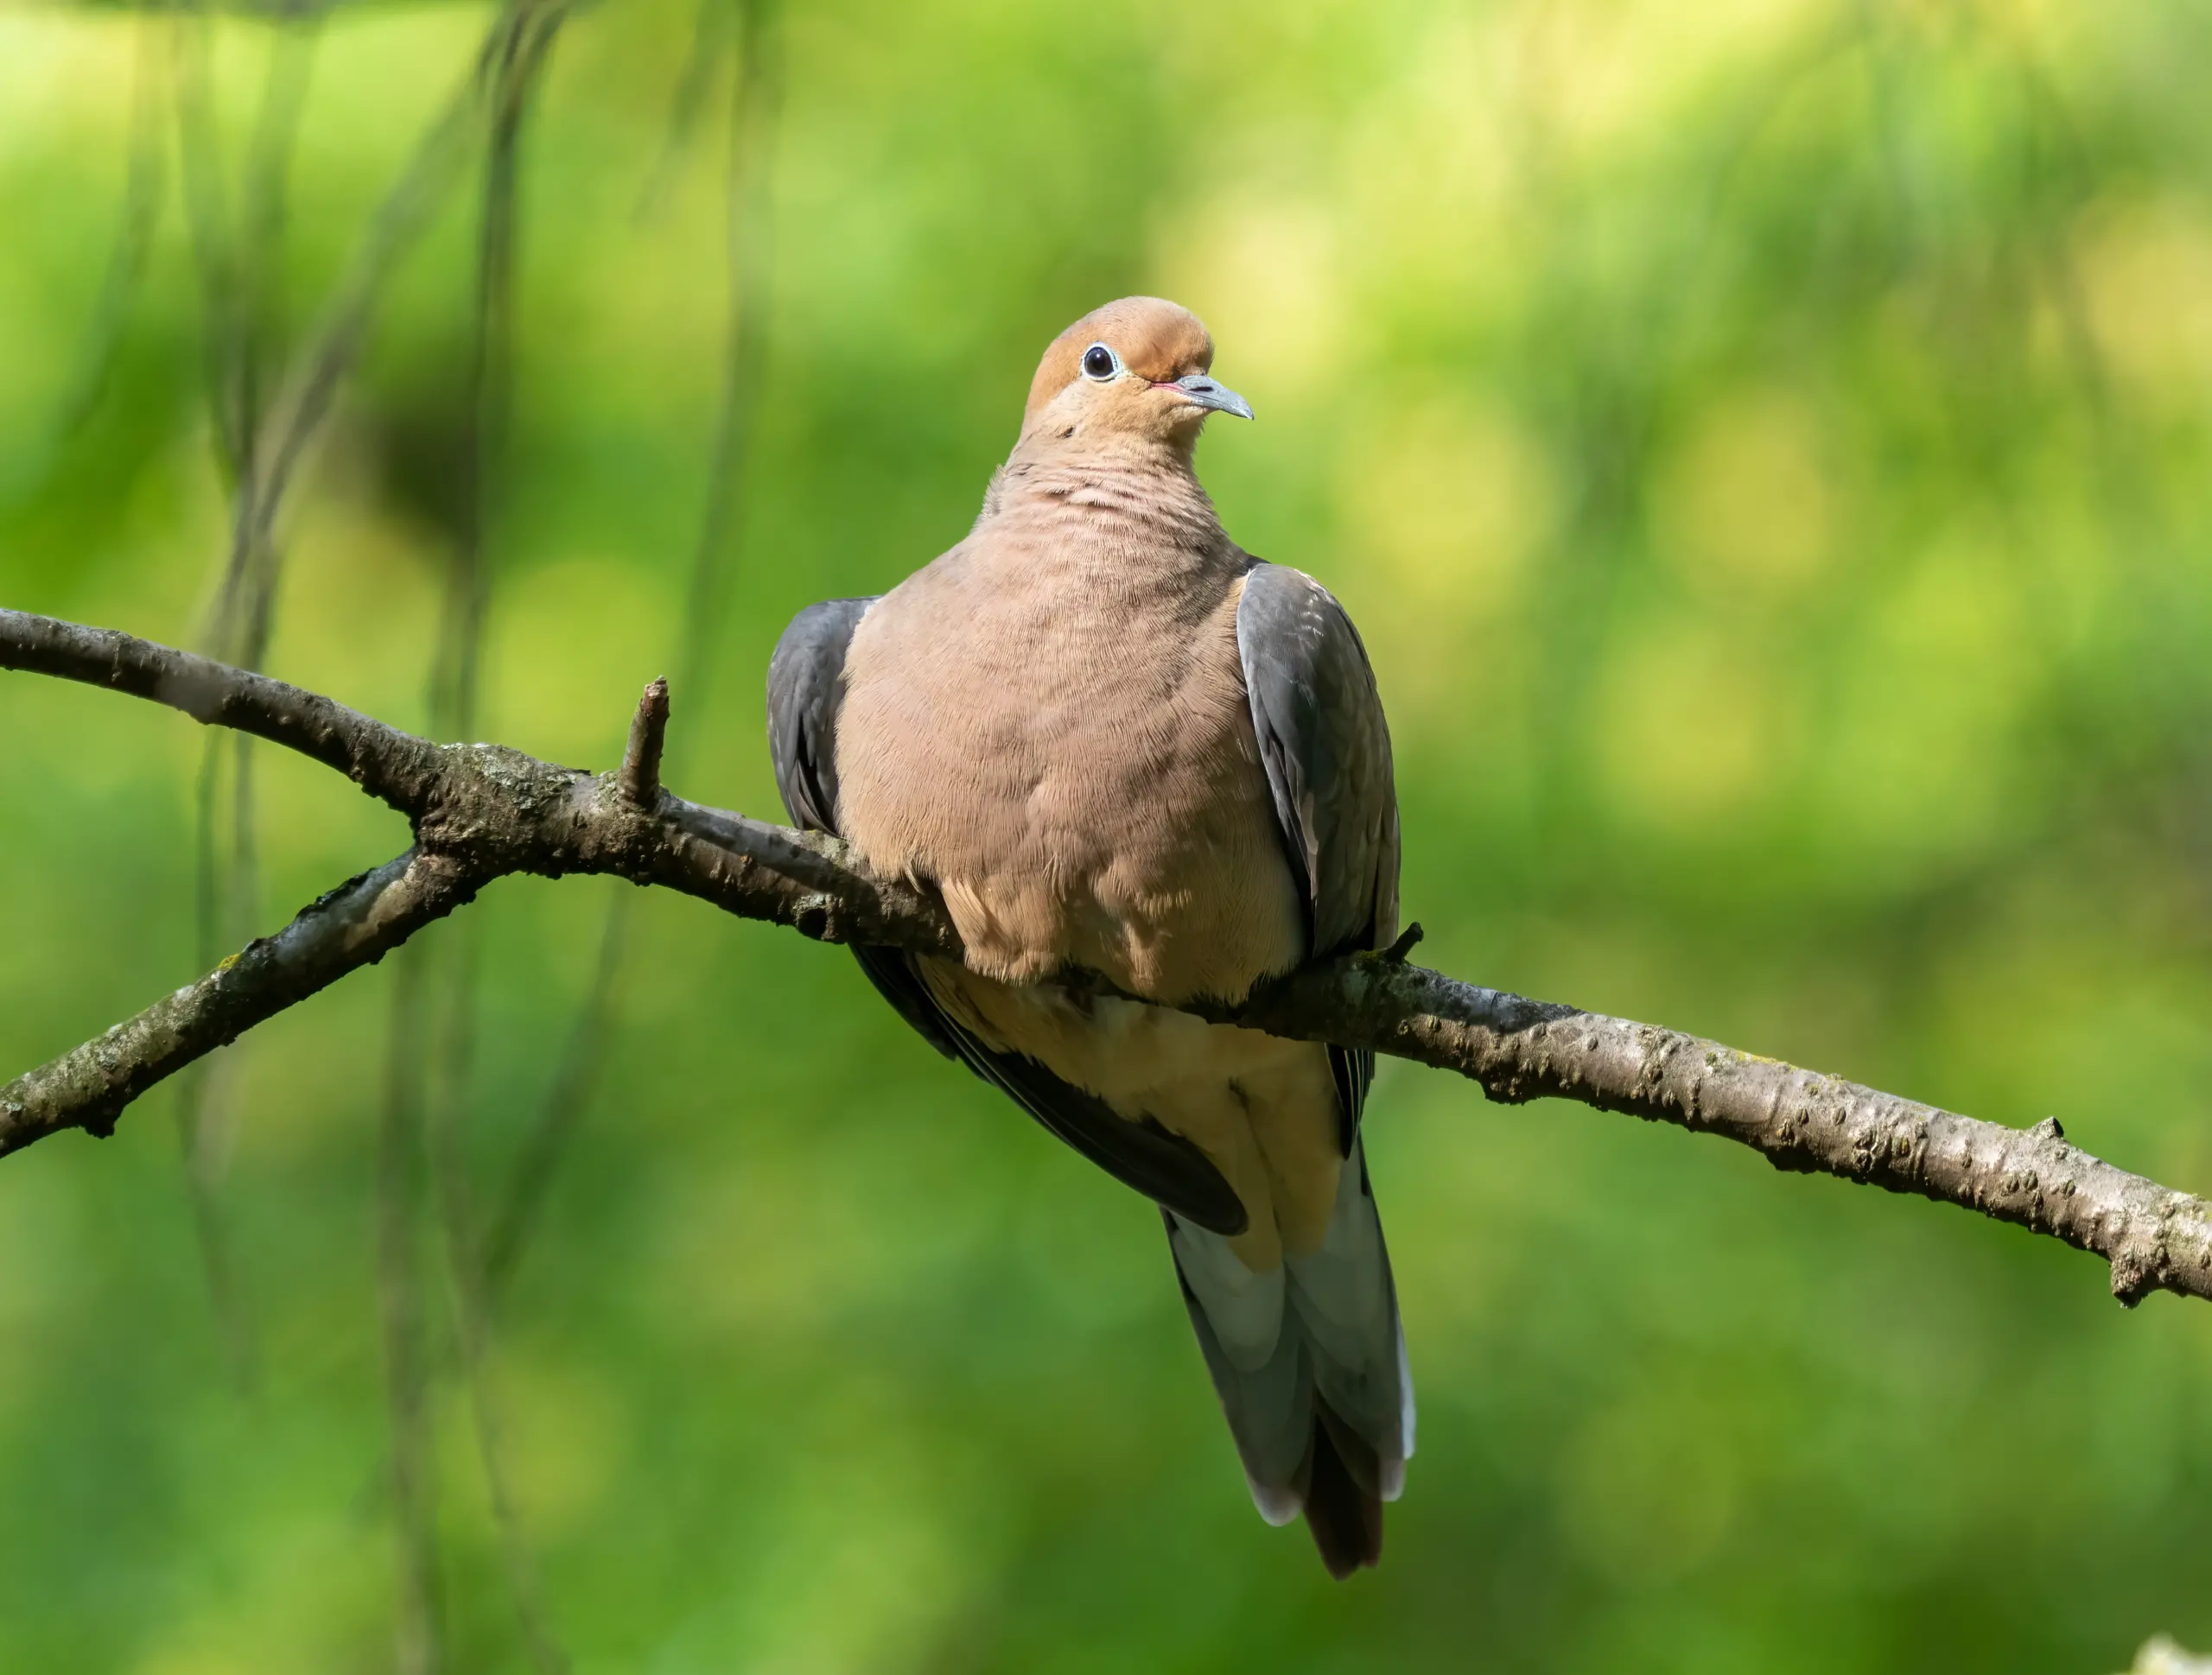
1269	1402
1342	1507
1311	1370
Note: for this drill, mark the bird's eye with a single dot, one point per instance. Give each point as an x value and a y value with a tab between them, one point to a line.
1098	362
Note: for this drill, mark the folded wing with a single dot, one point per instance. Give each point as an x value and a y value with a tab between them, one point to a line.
1326	749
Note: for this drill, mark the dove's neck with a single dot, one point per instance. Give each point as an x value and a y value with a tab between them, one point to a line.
1123	491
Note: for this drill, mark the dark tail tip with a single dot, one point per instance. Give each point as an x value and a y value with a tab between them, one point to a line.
1345	1518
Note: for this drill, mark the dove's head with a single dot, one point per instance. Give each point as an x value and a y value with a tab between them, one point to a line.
1135	368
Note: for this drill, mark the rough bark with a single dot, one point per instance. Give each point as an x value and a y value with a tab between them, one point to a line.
355	925
483	811
392	766
2155	1238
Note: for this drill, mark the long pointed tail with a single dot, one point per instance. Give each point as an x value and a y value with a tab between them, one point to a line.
1310	1364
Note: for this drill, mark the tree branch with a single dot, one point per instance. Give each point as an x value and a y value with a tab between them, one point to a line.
2155	1238
392	766
483	811
355	925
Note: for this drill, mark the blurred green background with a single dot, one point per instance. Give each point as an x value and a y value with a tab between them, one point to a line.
1765	446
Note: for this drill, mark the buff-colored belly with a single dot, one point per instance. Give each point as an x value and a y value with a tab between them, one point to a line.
1262	1109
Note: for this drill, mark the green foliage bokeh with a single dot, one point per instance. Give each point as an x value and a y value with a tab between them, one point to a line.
1765	447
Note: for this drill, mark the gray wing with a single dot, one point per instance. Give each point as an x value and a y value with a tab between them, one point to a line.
805	691
806	688
1326	749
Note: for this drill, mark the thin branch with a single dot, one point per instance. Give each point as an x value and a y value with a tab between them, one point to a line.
418	1636
467	1280
207	216
570	1092
2155	1238
125	273
399	220
684	106
241	294
441	1081
245	328
355	925
394	767
756	99
206	1087
484	811
754	49
567	1097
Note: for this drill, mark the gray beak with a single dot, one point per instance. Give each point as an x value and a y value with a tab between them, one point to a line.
1219	397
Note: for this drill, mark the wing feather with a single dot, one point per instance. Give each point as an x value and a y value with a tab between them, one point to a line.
1326	749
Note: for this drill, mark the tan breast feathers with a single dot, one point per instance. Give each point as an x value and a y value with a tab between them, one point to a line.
1061	742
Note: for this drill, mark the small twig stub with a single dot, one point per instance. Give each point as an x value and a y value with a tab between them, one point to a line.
641	775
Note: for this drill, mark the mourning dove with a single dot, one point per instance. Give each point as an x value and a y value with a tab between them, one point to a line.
1116	744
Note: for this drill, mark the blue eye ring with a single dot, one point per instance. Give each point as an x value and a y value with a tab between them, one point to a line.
1100	363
